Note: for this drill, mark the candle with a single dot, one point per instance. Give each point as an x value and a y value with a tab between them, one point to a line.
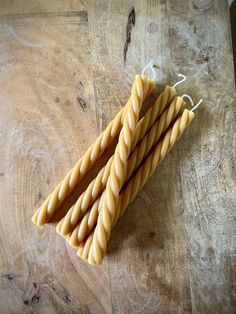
141	151
78	211
154	134
153	160
86	225
117	171
67	224
102	231
84	248
75	175
154	112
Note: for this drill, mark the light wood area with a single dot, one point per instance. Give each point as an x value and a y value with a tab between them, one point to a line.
62	79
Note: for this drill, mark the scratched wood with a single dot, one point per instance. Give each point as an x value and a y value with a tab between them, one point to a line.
66	67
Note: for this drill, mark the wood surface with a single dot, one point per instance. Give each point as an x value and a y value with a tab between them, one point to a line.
66	68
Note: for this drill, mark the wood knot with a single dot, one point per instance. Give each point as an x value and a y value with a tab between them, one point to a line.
35	299
9	277
151	234
82	103
67	299
129	26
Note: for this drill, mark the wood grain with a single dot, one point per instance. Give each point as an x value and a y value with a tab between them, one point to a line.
62	78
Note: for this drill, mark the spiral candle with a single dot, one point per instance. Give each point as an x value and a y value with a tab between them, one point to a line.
117	172
75	175
137	182
67	223
141	151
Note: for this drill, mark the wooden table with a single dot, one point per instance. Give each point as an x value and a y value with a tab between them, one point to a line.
62	78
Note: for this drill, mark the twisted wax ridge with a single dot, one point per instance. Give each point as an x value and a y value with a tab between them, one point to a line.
75	175
87	198
138	180
88	221
117	173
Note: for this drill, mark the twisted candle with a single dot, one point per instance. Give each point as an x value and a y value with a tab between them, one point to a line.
137	182
67	224
141	151
75	175
117	172
152	161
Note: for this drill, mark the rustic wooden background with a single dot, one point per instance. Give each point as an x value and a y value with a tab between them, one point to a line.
66	68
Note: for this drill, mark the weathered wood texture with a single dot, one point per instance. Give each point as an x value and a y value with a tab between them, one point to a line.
62	78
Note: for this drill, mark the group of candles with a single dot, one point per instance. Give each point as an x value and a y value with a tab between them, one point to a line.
142	145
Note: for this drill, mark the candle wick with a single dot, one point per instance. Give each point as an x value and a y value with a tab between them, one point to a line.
197	105
150	64
184	78
189	98
191	101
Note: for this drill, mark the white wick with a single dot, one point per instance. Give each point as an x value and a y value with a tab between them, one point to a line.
181	81
197	105
150	64
191	101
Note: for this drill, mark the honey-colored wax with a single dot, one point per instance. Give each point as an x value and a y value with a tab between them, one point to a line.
75	175
88	221
117	171
100	238
86	199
